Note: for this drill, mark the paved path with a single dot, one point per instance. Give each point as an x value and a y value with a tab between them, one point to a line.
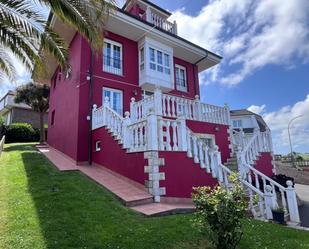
303	193
132	194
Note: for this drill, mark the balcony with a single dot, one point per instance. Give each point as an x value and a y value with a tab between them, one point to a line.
161	22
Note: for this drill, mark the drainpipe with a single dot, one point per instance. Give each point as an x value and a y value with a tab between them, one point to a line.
195	83
90	75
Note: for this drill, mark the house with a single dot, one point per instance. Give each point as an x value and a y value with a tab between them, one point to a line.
18	113
134	108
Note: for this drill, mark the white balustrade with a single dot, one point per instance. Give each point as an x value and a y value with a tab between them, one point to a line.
140	109
161	22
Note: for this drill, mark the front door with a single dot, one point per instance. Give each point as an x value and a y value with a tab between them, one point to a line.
115	98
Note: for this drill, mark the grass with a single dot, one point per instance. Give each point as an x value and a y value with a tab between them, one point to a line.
43	208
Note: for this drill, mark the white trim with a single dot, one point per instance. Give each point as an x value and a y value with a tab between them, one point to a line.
179	87
111	68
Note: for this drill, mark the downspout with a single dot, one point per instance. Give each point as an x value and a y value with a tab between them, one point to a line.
90	74
195	83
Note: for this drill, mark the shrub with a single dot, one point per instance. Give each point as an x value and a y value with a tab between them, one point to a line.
219	212
21	132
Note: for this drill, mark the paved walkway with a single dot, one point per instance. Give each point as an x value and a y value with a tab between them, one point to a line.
303	193
131	193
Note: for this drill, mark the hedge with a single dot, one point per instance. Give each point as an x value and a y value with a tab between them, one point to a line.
21	132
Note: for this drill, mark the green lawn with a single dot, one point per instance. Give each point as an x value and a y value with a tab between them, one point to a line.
43	208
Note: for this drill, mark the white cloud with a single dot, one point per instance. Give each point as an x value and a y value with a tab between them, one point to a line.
249	34
257	109
278	123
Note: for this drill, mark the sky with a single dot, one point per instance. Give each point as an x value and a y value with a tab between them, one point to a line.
265	65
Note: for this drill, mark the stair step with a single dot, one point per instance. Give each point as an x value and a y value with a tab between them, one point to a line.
139	202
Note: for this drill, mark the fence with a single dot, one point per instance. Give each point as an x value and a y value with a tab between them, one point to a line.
2	145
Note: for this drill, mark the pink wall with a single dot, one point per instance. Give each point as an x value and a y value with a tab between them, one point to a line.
182	174
192	79
264	163
64	100
112	156
221	136
137	11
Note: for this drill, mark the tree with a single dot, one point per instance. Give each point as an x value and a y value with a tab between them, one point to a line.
25	33
37	97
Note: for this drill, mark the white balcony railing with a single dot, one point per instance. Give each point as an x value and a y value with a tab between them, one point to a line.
161	22
173	106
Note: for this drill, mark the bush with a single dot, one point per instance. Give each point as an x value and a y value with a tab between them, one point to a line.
219	213
21	132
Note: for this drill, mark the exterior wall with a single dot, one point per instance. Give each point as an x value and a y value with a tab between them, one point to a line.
65	102
182	174
264	164
113	157
247	121
127	83
136	10
27	116
219	131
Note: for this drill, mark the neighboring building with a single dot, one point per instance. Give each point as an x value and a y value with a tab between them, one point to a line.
247	121
18	113
147	122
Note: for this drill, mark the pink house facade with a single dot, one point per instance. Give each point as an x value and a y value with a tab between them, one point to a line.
134	108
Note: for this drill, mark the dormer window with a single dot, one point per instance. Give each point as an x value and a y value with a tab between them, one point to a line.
112	57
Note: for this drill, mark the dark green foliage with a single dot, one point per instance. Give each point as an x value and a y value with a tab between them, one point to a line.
21	132
220	212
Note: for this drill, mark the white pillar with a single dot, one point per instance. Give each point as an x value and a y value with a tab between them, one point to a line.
126	133
133	109
94	117
158	102
152	131
182	134
148	15
292	202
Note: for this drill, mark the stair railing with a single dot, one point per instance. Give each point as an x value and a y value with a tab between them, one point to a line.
276	195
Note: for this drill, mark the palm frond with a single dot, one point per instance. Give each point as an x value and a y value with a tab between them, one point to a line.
7	68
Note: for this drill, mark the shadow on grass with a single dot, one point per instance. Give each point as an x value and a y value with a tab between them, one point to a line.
74	212
19	147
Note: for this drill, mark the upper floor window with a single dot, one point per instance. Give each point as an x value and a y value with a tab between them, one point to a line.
181	78
237	123
159	61
112	57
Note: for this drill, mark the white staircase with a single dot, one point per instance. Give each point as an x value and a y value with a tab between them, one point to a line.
147	129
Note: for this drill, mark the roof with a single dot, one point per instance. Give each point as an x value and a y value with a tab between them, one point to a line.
150	3
243	112
10	92
169	33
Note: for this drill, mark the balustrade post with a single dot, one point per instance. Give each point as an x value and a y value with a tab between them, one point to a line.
148	15
152	131
197	110
125	130
158	102
94	117
270	201
182	133
292	202
175	28
133	109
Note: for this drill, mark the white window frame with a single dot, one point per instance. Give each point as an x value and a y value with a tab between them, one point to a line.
110	68
179	87
111	99
98	145
142	58
237	123
164	69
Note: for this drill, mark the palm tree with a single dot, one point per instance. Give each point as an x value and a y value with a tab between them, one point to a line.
24	32
36	96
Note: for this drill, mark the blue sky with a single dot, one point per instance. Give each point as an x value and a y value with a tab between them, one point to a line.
265	66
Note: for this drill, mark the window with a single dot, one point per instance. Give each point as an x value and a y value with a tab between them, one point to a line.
237	123
142	59
98	145
114	98
112	57
53	117
159	61
181	78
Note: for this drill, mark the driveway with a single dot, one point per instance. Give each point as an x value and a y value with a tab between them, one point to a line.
303	193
